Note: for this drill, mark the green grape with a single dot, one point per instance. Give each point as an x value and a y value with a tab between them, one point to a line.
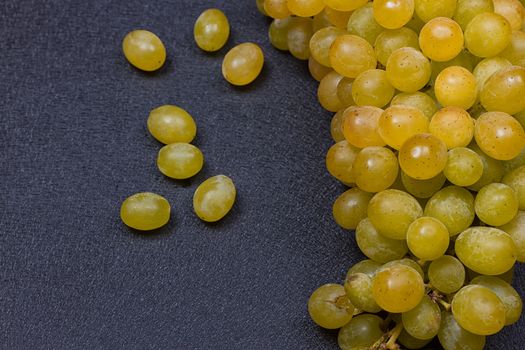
453	337
419	100
367	266
492	169
454	207
144	50
499	135
408	70
339	161
452	125
466	10
171	124
398	123
278	33
329	306
345	5
512	10
496	204
336	126
429	9
487	67
377	247
398	288
393	14
317	70
516	230
411	342
350	55
392	211
305	8
145	211
446	274
321	42
344	92
441	39
464	167
456	86
504	91
486	250
487	34
515	51
327	92
363	24
350	208
372	88
214	198
478	310
337	18
277	9
360	126
506	293
423	188
423	321
423	156
211	30
427	238
406	262
390	40
360	333
243	64
358	289
299	34
375	169
180	160
260	7
320	21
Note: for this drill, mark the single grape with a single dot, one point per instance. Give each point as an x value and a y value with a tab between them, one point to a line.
427	238
516	230
321	42
171	124
515	51
496	204
358	289
367	266
423	156
504	90
499	135
344	92
377	247
487	34
336	126
487	67
466	10
345	5
362	23
317	70
278	33
180	160
144	50
453	337
456	86
277	9
375	169
360	126
145	211
211	30
423	188
214	198
419	100
452	125
492	169
446	274
339	161
351	55
406	262
243	64
327	92
390	40
350	208
372	88
329	306
464	167
423	321
360	333
299	34
441	39
337	18
408	70
305	8
393	14
512	10
398	123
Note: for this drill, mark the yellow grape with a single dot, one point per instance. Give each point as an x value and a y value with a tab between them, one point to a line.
351	55
337	18
278	33
408	70
492	169
336	126
214	198
360	126
350	208
487	67
423	156
305	8
393	14
499	135
487	34
145	211
515	51
277	9
339	161
329	306
399	122
317	70
180	160
170	124
299	34
419	100
496	204
441	39
466	10
345	5
428	238
464	167
456	86
464	59
512	10
211	30
504	91
320	21
362	23
375	169
454	207
516	179
327	92
372	88
452	125
144	50
390	40
344	92
426	10
321	42
516	230
243	64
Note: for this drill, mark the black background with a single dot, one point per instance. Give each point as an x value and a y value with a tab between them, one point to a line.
74	145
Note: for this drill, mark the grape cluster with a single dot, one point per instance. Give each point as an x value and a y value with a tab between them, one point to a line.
429	137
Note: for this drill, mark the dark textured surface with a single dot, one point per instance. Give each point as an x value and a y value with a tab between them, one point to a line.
74	145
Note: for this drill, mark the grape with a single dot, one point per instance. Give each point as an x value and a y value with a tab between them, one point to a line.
327	92
464	167
441	39
329	306
423	321
144	50
423	188
350	208
375	169
504	91
406	262
453	337
486	250
345	5
446	274
344	92
377	247
393	14
423	156
456	86
337	18
360	126
367	266
390	40
399	122
211	30
362	23
408	70
372	88
499	135
170	124
410	342
452	125
515	51
487	67
243	64
419	100
214	198
320	21
429	9
145	211
317	70
516	229
276	8
336	126
299	34
492	169
397	288
339	161
392	211
305	8
358	288
466	10
478	310
496	204
464	59
180	160
512	10
454	207
487	34
360	333
508	295
278	33
321	42
427	238
351	55
515	162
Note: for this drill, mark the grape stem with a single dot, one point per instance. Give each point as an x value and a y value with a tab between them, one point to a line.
394	334
444	304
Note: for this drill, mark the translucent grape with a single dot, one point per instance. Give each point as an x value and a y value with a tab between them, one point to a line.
377	247
499	135
329	307
337	18
446	274
336	126
305	8
487	67
466	10
487	34
321	42
408	70
515	51
344	92
320	21
372	88
367	266
345	5
170	124
278	33
423	156
211	30
360	126
360	333
441	39
516	180
350	55
299	34
389	40
243	64
393	14
411	342
277	9
456	86
429	9
317	70
486	250
350	208
452	125
339	161
214	198
180	160
375	169
453	337
512	10
144	50
516	230
423	188
407	262
496	204
327	92
492	169
424	320
464	167
145	211
358	288
362	23
504	91
399	122
427	238
419	100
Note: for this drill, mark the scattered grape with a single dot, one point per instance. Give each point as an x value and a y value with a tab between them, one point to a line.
144	50
180	160
211	30
243	64
214	198
145	211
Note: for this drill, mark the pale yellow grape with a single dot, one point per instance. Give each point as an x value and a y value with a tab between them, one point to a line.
376	246
375	169
350	55
487	34
214	198
211	30
336	126
339	161
399	122
441	39
329	306
299	34
464	167
515	51
180	160
499	135
466	10
350	208
393	14
317	70
170	124
278	33
321	42
320	21
363	24
327	92
456	86
429	9
277	9
419	100
496	204
427	238
516	179
145	211
516	229
144	50
360	126
492	169
512	10
452	125
408	70
390	40
487	67
344	92
372	88
423	156
305	8
243	64
504	91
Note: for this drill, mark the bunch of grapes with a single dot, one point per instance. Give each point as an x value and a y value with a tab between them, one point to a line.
429	103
